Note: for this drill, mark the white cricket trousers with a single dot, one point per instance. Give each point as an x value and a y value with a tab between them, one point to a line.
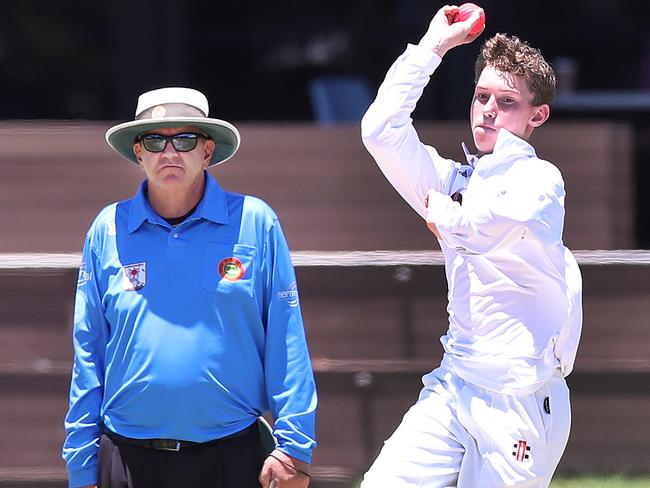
460	435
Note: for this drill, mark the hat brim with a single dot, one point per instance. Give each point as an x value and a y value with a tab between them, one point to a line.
226	137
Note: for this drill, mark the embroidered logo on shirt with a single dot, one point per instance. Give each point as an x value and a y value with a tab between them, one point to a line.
290	295
521	452
84	276
231	269
135	276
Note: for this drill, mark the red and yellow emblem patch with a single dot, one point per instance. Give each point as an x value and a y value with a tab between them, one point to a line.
231	269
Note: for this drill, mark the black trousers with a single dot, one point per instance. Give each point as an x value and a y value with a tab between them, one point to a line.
232	463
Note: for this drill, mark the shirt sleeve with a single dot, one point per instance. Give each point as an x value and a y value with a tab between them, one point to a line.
90	332
290	385
532	209
388	133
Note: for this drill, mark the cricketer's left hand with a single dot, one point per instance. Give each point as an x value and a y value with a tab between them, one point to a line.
436	204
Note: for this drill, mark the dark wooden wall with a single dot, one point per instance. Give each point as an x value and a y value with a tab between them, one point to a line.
326	188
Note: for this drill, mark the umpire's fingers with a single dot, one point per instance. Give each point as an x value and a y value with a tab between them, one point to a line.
265	475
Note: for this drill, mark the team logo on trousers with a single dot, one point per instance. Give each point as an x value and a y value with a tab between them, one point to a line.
135	276
231	269
521	452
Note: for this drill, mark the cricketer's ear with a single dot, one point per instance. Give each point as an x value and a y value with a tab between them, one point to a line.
540	115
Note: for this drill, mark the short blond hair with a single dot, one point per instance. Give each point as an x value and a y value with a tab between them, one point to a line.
509	54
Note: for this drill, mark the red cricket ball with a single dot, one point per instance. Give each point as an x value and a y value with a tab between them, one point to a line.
464	12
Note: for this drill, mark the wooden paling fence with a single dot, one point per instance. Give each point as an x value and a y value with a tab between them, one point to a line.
373	321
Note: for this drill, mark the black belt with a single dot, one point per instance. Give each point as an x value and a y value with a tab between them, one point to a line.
177	445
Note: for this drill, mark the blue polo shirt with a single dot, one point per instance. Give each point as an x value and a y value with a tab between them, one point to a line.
187	332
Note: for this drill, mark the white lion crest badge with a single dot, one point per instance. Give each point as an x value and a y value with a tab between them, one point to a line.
135	276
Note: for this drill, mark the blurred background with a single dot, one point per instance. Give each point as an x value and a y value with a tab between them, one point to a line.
295	77
276	61
69	60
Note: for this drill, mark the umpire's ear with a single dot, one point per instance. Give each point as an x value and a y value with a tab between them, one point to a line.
137	150
209	147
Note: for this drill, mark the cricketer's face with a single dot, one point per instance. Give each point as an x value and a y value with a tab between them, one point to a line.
171	168
503	101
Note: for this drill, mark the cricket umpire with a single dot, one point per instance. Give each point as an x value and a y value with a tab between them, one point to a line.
187	322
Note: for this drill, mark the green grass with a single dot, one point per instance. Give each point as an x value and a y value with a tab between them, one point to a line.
616	481
596	481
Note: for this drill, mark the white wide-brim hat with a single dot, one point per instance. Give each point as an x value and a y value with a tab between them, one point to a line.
171	108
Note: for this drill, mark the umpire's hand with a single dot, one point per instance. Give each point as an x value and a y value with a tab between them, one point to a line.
282	471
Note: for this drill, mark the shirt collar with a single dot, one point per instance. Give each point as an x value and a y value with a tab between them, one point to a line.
472	159
213	206
506	146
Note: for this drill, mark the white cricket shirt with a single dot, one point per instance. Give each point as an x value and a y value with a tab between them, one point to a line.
515	310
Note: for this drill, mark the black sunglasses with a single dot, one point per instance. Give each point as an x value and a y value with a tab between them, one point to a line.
183	142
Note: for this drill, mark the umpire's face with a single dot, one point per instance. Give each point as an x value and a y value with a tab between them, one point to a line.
174	163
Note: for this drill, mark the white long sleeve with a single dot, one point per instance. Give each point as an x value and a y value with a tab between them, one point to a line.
388	133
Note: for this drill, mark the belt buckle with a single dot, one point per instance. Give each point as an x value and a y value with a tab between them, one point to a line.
166	444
